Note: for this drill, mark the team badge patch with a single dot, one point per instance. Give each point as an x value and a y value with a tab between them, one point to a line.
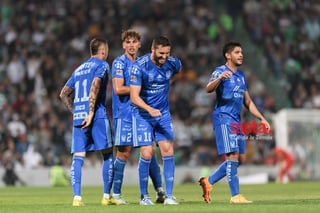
133	78
119	72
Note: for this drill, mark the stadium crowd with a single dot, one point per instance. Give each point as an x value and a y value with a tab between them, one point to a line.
42	42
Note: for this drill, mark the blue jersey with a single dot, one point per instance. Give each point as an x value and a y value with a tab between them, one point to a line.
154	81
121	104
81	81
230	94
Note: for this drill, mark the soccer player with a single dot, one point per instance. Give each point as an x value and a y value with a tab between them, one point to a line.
286	161
84	94
122	116
149	91
231	94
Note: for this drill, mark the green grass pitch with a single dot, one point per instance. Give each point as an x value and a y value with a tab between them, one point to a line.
300	197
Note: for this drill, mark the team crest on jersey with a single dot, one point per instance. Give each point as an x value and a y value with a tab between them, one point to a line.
168	74
215	75
139	138
150	77
123	138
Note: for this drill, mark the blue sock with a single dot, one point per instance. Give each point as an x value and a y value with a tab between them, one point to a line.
143	175
107	172
155	174
232	176
75	174
118	175
219	173
168	173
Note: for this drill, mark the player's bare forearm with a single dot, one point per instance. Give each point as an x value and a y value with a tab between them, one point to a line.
249	104
67	97
212	86
119	87
94	92
137	100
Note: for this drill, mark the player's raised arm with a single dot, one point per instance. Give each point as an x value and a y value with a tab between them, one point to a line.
67	97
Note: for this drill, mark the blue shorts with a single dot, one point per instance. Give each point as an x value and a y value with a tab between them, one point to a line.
226	141
122	132
147	129
96	137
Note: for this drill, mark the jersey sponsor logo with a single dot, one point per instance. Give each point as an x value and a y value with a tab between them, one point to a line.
156	90
236	88
159	76
238	93
79	115
80	107
84	69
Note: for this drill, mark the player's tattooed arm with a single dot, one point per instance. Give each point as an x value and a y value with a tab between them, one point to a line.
67	97
94	92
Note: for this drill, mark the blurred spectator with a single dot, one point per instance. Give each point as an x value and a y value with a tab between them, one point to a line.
15	70
32	158
10	177
16	127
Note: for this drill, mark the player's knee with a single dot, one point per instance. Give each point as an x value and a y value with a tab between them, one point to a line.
123	155
146	152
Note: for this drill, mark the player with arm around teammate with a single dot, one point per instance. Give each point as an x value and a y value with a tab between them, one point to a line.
122	116
231	94
151	118
84	94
